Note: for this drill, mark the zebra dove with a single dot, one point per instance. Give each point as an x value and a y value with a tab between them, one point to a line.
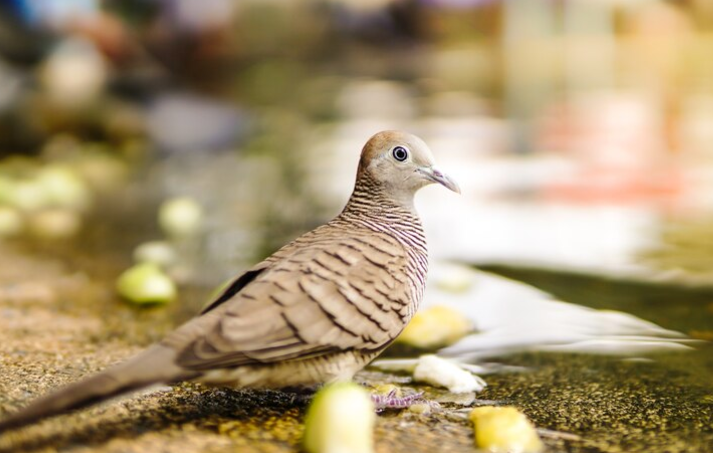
318	310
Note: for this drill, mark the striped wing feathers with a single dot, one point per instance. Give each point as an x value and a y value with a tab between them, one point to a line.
332	293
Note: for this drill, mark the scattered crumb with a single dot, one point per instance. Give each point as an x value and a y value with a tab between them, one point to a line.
434	327
420	408
502	429
434	370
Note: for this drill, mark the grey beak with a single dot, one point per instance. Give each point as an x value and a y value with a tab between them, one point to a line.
436	175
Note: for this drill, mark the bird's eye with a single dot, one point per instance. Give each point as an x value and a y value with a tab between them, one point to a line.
400	153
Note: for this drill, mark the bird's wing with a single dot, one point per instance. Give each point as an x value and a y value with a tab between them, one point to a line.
331	293
235	286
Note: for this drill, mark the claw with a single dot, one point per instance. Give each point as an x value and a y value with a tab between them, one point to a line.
391	401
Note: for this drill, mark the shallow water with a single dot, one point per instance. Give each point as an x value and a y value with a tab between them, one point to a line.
661	403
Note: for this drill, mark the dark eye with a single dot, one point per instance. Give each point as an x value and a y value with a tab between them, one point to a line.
400	153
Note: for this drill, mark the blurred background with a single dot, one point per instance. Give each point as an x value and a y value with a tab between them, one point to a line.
581	131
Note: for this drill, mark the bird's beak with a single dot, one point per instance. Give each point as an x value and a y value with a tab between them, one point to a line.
436	175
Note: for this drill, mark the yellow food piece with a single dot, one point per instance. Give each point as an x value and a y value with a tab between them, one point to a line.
64	187
435	327
27	195
11	222
55	223
180	217
420	408
7	189
504	429
160	253
385	389
340	420
102	172
146	284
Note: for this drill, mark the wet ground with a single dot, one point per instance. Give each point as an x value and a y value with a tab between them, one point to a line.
60	320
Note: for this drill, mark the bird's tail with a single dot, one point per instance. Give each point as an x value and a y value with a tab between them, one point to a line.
155	365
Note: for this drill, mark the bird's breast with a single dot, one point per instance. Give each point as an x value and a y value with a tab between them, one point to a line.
292	373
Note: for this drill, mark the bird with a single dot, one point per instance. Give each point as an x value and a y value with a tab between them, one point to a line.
316	311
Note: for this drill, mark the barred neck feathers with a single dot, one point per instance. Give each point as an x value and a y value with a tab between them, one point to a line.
371	207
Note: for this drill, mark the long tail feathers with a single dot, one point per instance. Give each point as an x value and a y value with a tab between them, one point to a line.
155	365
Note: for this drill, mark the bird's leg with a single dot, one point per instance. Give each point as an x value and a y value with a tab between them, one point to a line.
308	390
302	393
392	401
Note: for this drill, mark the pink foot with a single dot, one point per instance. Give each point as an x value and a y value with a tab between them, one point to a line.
391	401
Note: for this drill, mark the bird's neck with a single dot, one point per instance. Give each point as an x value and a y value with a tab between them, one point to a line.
372	207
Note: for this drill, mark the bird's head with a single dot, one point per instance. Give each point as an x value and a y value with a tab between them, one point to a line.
401	163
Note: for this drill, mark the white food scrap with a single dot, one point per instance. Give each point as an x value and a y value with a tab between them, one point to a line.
440	372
